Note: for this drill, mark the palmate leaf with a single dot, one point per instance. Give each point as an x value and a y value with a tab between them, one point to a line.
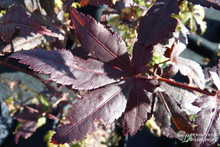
208	119
207	3
173	109
157	22
10	20
115	54
107	72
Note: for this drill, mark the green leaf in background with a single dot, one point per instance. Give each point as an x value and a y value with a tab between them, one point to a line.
43	102
50	133
193	16
41	121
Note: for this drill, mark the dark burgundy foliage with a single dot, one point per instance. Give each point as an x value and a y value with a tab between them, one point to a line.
119	86
99	43
96	2
112	69
207	3
89	2
29	120
28	117
174	107
208	119
48	6
161	22
25	42
68	69
27	25
188	68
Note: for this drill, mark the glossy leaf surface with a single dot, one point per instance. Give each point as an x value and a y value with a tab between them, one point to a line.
67	69
130	88
110	76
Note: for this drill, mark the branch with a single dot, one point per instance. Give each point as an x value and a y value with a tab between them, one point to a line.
185	86
33	75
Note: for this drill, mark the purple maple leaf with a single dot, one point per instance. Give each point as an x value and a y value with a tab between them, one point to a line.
208	119
115	80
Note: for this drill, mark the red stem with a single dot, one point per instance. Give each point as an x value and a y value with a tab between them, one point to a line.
30	73
185	86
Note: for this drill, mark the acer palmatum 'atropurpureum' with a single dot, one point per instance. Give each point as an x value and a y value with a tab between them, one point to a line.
122	86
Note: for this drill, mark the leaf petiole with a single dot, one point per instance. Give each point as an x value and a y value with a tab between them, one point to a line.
171	82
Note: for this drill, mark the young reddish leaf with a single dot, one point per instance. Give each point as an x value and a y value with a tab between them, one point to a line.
10	20
99	43
67	69
96	2
174	43
207	121
182	122
157	22
103	105
207	3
